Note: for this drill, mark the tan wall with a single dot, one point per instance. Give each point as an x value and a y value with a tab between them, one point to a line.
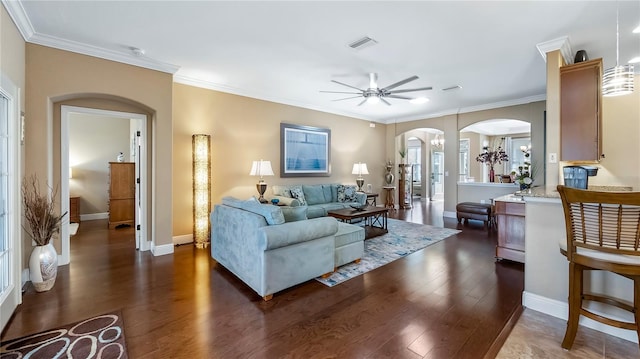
55	77
94	141
243	129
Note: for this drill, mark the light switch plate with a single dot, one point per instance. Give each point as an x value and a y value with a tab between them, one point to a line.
553	158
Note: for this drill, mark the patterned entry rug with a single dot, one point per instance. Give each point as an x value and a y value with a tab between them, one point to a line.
98	337
403	239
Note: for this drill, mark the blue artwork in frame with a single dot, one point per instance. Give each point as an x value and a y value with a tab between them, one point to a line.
304	151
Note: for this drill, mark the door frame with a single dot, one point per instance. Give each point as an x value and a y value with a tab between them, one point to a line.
12	297
64	257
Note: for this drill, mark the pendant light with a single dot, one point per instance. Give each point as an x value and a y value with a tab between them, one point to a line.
617	80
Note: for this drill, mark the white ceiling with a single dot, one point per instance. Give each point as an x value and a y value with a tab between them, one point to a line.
288	51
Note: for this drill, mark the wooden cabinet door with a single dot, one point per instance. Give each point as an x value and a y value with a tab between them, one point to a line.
511	221
122	193
580	111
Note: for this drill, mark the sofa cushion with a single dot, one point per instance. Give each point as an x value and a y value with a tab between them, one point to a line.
328	193
297	193
273	214
348	233
316	211
283	191
314	194
293	214
347	193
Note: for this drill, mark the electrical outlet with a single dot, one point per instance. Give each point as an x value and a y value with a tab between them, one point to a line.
553	158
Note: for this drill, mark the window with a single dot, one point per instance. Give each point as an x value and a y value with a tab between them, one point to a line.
414	158
516	157
5	254
463	159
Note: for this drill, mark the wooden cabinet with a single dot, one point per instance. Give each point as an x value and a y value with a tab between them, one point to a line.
580	111
405	190
122	193
511	218
74	210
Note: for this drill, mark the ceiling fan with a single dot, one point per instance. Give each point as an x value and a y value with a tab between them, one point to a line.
374	94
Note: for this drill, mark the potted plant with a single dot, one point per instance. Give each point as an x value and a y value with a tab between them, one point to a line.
42	223
492	156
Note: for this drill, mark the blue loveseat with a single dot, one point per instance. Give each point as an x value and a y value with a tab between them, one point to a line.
318	198
272	248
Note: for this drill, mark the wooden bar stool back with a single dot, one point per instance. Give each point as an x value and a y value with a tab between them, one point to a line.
603	233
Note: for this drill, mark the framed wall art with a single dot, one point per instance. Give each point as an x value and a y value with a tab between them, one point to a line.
304	151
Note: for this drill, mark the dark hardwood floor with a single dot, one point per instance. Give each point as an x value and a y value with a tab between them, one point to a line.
450	300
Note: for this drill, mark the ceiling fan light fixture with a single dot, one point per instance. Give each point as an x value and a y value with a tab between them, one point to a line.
618	80
419	100
373	100
635	60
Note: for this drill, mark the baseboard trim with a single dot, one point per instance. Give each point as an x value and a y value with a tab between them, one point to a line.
558	309
93	216
24	278
162	250
183	239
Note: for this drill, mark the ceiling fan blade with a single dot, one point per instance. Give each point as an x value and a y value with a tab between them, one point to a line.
343	84
410	90
399	83
363	101
385	101
346	98
350	93
400	97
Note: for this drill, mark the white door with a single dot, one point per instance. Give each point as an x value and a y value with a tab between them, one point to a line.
437	173
10	239
138	151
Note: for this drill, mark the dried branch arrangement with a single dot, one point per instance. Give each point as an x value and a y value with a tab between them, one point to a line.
39	211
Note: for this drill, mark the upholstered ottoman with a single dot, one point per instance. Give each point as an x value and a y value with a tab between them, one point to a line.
349	244
473	210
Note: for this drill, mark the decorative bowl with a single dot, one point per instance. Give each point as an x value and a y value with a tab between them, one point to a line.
358	207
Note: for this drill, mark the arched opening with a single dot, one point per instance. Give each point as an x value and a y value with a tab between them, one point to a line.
139	120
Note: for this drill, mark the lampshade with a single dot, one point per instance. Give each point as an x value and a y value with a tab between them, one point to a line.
261	168
360	169
618	80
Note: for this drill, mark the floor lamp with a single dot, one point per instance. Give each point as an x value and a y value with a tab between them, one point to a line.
201	152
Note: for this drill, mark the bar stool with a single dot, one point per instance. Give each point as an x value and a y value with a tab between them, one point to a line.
390	194
603	233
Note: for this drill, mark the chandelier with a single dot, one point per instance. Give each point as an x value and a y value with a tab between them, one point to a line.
617	80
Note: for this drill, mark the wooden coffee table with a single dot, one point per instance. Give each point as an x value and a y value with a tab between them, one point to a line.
375	219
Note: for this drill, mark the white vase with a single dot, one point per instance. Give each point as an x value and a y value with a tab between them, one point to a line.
43	267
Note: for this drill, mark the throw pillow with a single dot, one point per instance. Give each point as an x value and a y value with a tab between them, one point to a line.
296	192
281	191
293	214
347	193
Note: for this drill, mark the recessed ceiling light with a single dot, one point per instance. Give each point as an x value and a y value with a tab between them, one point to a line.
419	100
635	60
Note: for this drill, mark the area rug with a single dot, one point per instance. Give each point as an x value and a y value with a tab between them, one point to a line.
98	337
403	239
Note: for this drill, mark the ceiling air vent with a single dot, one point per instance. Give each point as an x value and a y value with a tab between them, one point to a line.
362	43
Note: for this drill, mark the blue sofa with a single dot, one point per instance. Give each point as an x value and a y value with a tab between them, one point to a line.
318	198
272	248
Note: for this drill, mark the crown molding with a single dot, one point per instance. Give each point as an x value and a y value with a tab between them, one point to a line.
488	106
20	18
95	51
561	43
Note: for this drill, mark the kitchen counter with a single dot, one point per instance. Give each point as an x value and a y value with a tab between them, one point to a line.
552	192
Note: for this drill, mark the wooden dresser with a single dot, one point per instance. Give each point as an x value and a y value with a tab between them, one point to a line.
122	193
74	209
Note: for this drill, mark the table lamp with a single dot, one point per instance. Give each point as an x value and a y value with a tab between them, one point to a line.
360	169
261	168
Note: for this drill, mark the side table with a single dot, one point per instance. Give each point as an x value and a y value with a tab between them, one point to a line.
372	199
390	194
